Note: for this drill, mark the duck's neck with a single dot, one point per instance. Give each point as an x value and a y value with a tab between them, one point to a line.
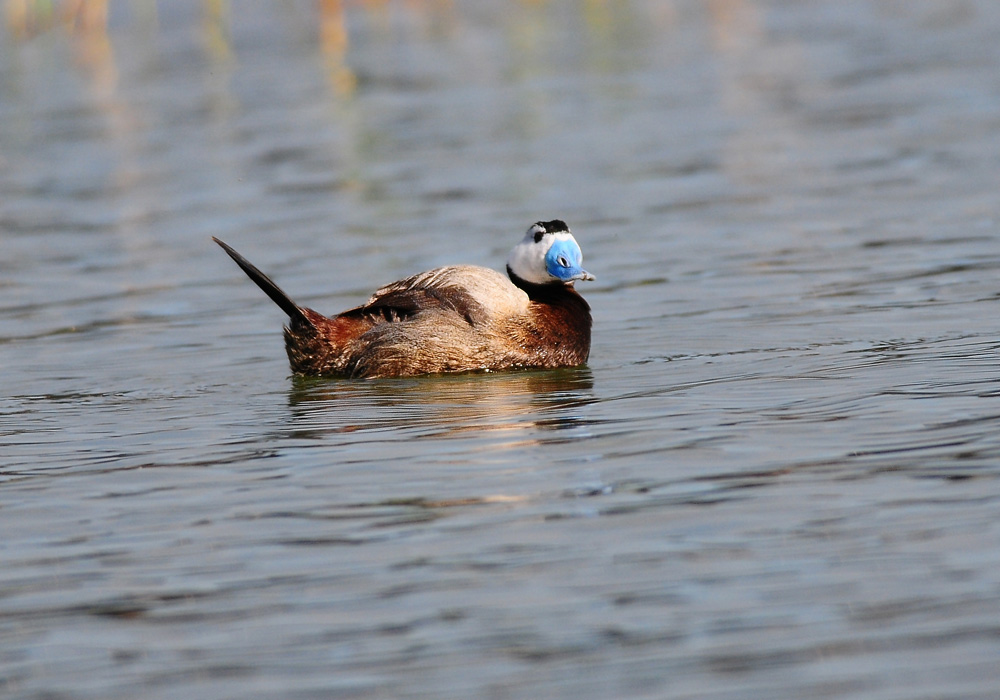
551	293
555	294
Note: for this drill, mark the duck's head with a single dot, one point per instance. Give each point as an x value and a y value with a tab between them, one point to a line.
548	254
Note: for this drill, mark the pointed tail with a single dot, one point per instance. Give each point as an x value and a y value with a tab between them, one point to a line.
270	288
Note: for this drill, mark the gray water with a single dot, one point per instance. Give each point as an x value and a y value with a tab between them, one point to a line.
778	476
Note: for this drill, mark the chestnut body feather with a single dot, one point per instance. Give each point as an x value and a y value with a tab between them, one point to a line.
450	319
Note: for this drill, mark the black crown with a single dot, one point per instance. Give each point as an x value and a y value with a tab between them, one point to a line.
554	226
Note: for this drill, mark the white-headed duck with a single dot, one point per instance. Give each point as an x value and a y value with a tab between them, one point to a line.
451	319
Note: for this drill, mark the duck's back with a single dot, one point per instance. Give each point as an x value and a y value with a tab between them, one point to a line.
444	320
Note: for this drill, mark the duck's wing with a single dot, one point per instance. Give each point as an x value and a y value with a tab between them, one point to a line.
476	294
402	304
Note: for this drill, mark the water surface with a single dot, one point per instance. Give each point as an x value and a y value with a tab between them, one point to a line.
778	476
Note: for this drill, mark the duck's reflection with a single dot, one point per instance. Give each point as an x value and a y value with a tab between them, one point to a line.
443	405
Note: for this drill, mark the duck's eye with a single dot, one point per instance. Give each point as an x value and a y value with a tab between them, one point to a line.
563	261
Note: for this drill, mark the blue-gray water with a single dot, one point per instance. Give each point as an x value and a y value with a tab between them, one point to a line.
777	478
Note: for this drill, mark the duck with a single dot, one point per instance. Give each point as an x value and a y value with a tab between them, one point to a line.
458	318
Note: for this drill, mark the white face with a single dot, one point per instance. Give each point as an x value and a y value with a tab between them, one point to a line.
543	258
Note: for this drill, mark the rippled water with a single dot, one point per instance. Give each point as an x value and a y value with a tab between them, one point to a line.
778	477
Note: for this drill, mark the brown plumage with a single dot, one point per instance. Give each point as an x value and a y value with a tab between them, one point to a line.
450	319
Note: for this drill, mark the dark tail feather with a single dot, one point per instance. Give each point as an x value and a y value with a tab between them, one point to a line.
269	287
